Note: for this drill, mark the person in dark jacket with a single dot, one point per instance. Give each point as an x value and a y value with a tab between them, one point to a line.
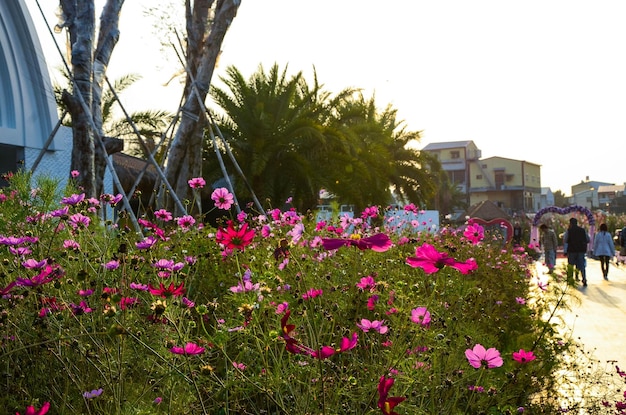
576	240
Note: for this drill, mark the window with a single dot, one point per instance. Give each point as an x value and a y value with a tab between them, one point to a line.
479	177
456	176
499	177
455	154
7	106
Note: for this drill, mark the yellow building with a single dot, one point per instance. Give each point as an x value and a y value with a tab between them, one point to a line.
513	185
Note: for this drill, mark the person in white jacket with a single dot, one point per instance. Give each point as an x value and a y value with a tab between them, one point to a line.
604	249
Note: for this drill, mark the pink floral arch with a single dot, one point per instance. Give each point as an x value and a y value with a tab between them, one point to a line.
534	232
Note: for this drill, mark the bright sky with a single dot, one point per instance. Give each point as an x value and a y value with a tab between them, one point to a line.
541	81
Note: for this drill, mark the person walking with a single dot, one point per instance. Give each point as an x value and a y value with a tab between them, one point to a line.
549	243
576	240
604	249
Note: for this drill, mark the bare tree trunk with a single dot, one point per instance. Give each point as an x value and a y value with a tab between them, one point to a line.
80	21
184	159
88	71
107	39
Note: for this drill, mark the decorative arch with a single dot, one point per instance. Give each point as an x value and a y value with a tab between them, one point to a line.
534	233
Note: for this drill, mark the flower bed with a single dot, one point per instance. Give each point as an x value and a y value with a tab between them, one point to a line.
265	314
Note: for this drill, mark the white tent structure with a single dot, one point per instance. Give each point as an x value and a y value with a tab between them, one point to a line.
28	115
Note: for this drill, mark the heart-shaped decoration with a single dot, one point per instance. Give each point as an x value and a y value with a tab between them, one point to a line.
499	225
564	211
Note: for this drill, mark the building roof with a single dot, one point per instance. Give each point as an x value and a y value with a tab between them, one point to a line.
128	169
611	188
507	158
447	144
486	210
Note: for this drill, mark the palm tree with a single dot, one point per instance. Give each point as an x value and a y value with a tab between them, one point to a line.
292	139
273	126
383	157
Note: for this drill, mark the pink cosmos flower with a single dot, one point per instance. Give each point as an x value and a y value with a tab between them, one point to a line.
189	349
108	198
520	300
112	265
14	240
73	199
239	366
20	250
78	220
47	275
31	410
348	343
366	283
376	325
57	213
312	293
80	308
524	356
369	212
138	286
324	352
33	264
4	291
474	233
223	198
431	261
71	244
196	183
163	215
479	356
163	264
421	315
378	243
75	173
146	243
296	233
543	285
282	307
245	287
185	222
371	302
92	394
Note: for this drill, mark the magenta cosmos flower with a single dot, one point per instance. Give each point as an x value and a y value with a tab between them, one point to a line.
478	356
31	410
189	349
430	260
386	403
378	243
524	356
474	233
233	238
223	198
